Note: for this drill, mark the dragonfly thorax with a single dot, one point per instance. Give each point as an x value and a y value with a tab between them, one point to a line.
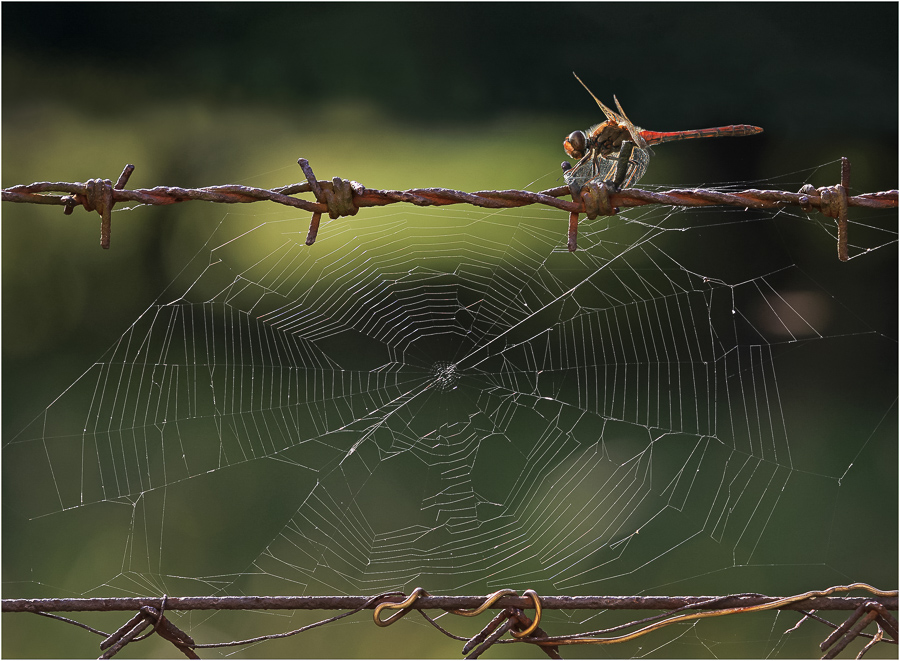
608	137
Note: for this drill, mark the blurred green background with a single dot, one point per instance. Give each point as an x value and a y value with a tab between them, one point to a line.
412	95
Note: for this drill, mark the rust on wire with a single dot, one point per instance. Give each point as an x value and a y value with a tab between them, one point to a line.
510	620
71	605
341	197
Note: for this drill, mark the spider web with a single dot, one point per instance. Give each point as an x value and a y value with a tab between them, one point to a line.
448	398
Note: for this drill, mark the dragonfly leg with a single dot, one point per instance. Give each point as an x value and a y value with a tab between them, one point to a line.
574	186
623	162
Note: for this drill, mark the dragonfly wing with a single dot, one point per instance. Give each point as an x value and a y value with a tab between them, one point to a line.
637	166
610	114
635	131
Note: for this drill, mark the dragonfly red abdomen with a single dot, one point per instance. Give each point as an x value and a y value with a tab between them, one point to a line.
735	130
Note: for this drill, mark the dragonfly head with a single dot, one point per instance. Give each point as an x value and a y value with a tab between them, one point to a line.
575	143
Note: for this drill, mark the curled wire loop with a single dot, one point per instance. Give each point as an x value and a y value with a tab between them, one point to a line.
156	616
830	200
537	615
98	196
490	601
596	197
339	199
407	605
403	607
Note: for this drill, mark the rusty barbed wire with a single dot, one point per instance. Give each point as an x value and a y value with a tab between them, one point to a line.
342	197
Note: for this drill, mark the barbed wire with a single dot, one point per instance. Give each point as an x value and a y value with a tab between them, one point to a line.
342	197
151	610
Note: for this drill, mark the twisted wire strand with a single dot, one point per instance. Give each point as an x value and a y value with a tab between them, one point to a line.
35	193
880	604
341	197
61	605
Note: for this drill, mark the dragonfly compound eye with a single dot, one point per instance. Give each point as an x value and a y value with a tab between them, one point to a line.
574	144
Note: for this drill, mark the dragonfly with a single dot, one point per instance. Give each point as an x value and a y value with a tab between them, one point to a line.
618	152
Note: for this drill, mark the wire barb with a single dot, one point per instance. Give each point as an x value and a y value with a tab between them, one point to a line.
338	198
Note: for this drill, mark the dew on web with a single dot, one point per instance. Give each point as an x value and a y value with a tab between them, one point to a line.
449	398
